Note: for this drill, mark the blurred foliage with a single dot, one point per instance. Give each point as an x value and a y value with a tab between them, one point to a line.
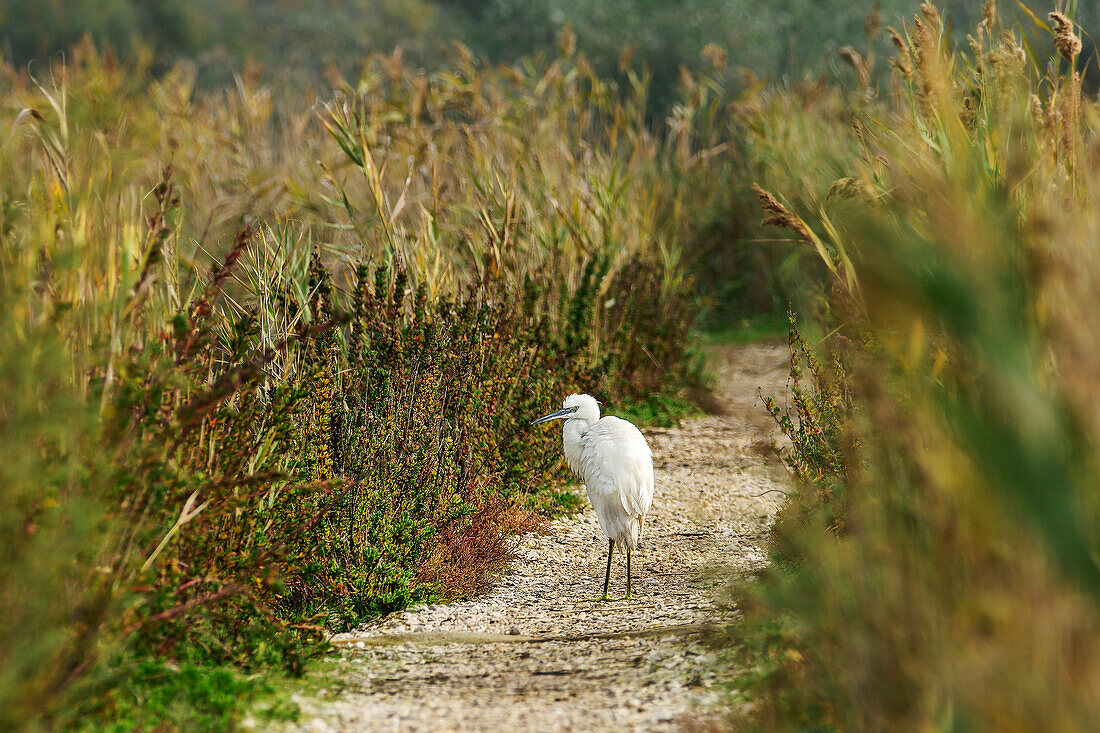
221	37
185	697
53	502
37	29
937	565
297	39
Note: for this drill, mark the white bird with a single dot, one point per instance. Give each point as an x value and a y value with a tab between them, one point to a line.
613	459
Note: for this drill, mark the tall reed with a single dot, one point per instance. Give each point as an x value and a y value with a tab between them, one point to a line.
270	366
958	584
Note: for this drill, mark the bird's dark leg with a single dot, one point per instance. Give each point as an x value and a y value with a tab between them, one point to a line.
607	575
628	593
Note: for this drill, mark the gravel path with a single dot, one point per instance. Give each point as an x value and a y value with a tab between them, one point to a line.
533	655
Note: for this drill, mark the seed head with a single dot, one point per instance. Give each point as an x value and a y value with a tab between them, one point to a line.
1036	107
781	216
989	12
928	10
715	55
902	61
898	41
857	62
873	23
1068	44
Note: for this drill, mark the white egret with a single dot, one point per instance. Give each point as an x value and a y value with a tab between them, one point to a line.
613	459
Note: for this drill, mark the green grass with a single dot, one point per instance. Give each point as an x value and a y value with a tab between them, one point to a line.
154	694
764	327
657	410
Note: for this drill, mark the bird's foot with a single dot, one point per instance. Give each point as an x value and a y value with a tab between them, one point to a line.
606	598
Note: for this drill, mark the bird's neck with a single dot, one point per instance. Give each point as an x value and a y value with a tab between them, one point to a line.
572	433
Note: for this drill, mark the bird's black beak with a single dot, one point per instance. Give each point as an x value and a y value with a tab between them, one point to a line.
555	415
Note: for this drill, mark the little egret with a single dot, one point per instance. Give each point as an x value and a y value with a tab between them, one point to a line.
613	459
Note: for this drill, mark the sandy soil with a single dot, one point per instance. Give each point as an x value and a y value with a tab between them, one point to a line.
532	654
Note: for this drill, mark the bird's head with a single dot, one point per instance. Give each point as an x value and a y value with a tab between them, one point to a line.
575	407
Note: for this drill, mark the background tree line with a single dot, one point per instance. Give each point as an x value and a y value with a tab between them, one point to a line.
296	39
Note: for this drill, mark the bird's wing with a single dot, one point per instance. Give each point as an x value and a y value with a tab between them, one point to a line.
618	460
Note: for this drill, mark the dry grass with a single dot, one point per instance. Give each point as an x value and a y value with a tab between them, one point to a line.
470	551
287	352
959	586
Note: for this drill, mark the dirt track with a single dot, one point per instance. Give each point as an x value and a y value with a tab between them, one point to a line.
532	655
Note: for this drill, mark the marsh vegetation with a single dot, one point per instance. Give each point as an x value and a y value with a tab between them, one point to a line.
267	352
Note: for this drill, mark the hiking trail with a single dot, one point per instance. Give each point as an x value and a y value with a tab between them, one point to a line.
531	654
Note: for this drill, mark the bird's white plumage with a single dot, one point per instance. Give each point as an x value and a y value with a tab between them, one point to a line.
613	459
